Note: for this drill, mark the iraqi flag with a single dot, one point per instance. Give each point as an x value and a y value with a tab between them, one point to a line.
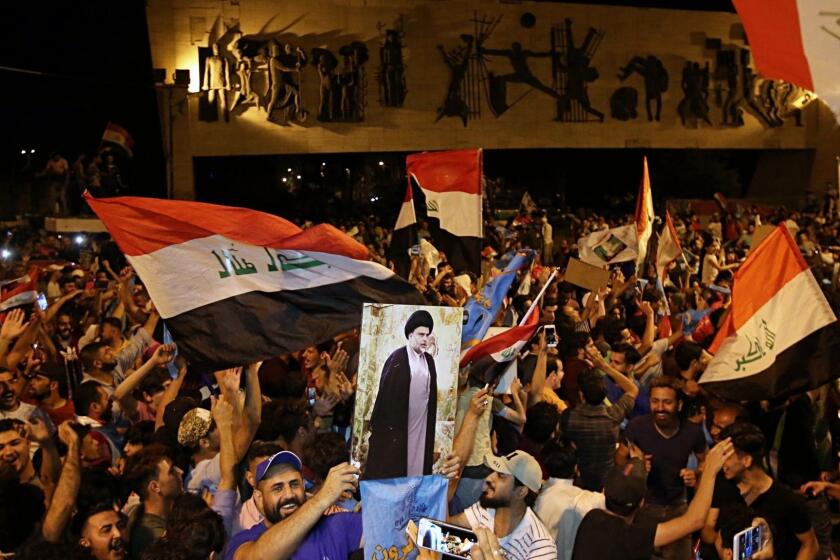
115	134
236	286
668	248
447	186
796	41
644	215
19	291
780	336
492	356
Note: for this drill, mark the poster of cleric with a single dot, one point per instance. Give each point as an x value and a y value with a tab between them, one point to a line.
406	399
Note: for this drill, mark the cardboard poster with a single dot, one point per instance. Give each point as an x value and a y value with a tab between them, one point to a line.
586	276
406	398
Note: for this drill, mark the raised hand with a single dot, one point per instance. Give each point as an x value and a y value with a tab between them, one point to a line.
222	412
324	404
480	401
126	274
14	325
337	363
164	354
451	466
341	478
718	455
36	430
67	434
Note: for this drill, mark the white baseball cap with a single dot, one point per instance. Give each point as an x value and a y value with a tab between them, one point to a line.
522	466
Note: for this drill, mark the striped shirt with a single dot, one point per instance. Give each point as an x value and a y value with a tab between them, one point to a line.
529	540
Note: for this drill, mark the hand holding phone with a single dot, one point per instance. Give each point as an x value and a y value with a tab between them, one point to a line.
747	542
451	541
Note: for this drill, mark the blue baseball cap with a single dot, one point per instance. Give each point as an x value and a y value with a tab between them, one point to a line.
281	458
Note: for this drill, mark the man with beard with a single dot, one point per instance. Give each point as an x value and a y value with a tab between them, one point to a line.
48	387
102	364
294	526
94	408
402	424
153	476
11	407
669	440
786	512
65	336
102	534
505	508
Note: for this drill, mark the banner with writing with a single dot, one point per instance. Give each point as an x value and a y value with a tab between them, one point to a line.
389	505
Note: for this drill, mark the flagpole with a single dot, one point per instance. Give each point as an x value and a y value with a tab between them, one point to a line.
537	299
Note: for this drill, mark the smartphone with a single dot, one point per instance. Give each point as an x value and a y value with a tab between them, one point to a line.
451	541
42	301
747	542
550	336
310	394
414	250
101	285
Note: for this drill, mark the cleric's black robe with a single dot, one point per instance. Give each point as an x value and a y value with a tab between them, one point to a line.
388	444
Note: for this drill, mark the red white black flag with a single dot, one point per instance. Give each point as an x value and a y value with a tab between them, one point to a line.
236	285
115	134
450	183
780	335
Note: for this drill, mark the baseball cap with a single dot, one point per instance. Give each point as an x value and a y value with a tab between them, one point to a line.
194	425
626	485
522	466
51	371
280	458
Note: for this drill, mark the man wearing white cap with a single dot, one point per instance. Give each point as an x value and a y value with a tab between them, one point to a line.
505	509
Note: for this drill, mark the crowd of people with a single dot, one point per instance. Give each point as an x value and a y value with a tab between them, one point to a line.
606	446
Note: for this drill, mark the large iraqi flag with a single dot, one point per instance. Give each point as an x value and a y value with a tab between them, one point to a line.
797	41
780	336
450	184
236	285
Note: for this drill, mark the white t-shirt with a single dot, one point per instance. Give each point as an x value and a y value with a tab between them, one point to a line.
561	506
529	540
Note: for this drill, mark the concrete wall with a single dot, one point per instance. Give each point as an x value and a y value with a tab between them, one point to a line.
179	27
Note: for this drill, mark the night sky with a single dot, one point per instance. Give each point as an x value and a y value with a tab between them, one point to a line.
93	63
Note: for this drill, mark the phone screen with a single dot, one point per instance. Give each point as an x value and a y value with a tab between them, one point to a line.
746	543
42	302
550	336
450	541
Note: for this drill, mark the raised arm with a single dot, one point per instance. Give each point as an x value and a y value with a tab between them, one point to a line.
12	327
169	395
538	380
619	378
694	518
650	328
462	445
64	500
162	356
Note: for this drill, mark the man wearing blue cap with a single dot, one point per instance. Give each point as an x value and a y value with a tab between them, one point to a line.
402	424
295	527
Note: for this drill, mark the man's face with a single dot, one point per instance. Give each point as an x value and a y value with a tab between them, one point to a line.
213	438
498	491
664	405
735	466
282	493
8	390
720	420
556	377
14	450
169	479
68	287
418	339
154	399
64	326
110	334
108	362
618	360
39	387
104	535
311	357
131	449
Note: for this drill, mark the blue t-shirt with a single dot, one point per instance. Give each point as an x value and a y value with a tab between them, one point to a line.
334	537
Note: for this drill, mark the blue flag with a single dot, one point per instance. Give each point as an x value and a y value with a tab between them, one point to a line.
388	506
480	311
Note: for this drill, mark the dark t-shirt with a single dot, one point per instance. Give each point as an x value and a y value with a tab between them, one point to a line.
670	455
608	537
334	537
788	516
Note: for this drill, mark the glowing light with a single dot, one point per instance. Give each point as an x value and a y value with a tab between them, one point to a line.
23	152
284	179
298	176
79	239
32	151
5	253
289	170
381	164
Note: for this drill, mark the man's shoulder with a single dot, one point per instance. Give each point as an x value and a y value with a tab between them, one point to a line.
400	353
242	537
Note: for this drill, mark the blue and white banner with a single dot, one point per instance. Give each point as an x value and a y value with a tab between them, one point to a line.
480	311
388	506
